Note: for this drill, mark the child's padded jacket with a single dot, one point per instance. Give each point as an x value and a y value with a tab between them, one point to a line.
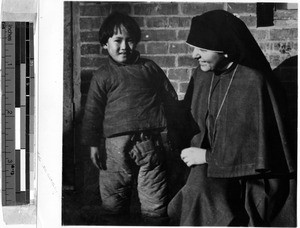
126	98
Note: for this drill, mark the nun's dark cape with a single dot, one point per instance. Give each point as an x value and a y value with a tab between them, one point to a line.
248	138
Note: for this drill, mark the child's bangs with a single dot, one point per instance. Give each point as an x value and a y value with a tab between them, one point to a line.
118	29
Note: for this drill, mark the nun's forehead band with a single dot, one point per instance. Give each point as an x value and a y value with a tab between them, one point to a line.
220	52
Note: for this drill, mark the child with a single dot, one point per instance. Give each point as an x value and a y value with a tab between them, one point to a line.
128	104
240	160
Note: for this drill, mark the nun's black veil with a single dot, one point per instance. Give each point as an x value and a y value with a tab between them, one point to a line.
219	30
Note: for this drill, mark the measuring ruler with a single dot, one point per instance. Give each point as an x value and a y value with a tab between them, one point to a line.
17	111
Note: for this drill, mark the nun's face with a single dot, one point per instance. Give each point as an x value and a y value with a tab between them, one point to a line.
209	60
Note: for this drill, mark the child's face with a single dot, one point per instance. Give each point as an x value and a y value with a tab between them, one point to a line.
120	46
209	60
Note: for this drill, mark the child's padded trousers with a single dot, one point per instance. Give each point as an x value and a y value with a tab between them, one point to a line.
116	182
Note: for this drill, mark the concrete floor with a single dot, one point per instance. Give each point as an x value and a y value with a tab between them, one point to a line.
75	212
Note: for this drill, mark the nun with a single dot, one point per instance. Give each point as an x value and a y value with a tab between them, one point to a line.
240	161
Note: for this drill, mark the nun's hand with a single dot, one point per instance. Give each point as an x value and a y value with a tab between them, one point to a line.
193	156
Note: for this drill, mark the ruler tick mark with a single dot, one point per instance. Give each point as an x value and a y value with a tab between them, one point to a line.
14	37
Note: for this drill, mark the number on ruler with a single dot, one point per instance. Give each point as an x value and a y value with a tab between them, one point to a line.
12	172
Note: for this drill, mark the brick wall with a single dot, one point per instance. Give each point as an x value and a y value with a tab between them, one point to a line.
164	30
165	27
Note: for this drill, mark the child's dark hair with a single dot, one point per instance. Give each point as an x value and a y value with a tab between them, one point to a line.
114	21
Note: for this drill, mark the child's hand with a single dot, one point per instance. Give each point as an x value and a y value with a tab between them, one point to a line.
193	156
97	158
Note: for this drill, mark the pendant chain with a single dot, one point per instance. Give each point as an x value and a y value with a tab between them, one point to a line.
223	101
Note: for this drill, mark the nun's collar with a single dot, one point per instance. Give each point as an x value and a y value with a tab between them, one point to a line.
228	69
